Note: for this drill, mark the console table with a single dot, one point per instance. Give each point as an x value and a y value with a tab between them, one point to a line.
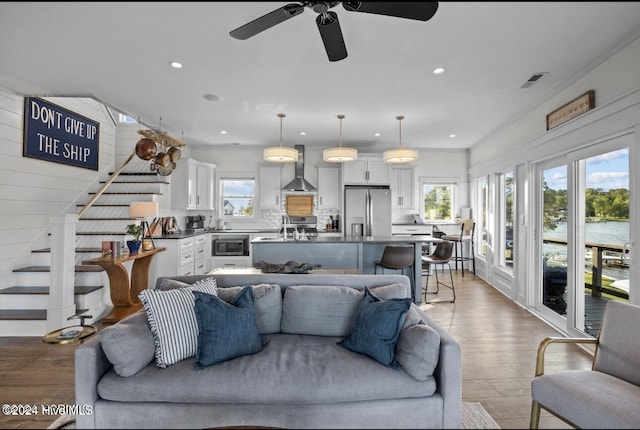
124	291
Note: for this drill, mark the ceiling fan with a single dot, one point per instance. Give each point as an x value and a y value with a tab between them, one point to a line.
328	23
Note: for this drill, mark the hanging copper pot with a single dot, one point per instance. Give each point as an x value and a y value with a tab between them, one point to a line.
163	159
146	149
166	170
174	153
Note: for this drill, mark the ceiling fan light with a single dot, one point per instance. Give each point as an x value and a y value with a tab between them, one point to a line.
280	154
339	154
400	155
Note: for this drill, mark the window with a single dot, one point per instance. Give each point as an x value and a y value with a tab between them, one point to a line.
237	197
483	196
507	202
438	200
126	119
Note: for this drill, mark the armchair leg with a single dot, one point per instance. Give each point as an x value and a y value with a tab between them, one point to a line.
535	415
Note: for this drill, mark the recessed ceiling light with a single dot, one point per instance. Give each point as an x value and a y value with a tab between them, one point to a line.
212	97
302	133
176	65
452	135
223	132
438	70
377	134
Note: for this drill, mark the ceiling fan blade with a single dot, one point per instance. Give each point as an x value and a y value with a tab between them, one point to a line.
267	21
331	36
422	11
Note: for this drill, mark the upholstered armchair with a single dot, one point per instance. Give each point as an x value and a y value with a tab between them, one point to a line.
608	395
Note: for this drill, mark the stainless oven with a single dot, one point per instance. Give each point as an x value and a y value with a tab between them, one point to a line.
227	245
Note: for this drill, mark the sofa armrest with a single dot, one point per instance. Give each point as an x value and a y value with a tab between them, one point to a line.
448	375
90	365
542	348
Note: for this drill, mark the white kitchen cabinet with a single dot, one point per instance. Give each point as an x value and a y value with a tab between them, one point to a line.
187	256
204	186
231	262
402	187
366	171
270	187
328	188
192	185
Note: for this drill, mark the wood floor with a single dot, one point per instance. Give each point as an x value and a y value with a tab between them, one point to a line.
499	341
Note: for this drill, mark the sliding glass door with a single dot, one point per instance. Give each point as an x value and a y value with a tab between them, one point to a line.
582	234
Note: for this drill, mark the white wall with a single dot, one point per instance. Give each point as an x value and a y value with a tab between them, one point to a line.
32	190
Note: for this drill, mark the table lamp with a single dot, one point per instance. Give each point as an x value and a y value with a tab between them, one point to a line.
141	211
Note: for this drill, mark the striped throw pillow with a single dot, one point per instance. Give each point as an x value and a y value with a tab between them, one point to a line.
173	321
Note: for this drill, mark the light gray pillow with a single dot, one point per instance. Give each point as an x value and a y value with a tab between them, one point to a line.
129	344
391	291
418	351
322	310
267	306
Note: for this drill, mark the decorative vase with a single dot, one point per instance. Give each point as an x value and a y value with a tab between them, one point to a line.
134	246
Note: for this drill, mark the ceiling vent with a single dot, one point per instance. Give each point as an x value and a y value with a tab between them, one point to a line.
533	79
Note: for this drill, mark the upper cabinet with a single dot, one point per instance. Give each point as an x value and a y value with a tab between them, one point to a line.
270	187
192	185
328	187
366	171
402	187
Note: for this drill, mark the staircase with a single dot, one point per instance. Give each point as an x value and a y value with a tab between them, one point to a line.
23	307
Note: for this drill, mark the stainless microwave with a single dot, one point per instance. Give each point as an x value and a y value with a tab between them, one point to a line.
230	246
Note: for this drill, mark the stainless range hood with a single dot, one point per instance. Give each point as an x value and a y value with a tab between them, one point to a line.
299	183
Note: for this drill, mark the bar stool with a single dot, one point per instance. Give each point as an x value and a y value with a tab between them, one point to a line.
440	256
467	232
396	257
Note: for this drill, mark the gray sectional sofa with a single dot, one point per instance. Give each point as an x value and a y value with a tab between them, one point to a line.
301	378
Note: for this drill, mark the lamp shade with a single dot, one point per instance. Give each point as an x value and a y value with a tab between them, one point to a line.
280	154
400	155
143	209
339	154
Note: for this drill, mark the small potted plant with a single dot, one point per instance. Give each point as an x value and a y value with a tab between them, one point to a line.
136	231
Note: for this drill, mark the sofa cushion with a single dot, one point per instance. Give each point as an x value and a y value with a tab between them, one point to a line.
172	320
323	310
172	284
225	330
377	328
267	306
129	345
292	369
418	350
327	310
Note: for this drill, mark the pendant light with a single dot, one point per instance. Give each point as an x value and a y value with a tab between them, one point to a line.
280	154
400	154
339	153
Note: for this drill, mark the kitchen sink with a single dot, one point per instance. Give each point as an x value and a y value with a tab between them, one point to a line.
268	239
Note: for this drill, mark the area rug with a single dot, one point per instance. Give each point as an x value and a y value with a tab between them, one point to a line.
474	416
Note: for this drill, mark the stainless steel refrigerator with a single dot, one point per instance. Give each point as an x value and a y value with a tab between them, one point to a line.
367	210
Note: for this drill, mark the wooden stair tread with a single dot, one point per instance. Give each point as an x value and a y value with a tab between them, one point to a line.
137	182
135	174
101	233
23	314
79	268
104	206
78	289
84	250
126	193
108	219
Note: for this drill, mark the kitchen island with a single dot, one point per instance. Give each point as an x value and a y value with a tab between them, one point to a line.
358	252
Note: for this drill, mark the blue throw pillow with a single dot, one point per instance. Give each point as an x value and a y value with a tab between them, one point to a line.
225	330
377	328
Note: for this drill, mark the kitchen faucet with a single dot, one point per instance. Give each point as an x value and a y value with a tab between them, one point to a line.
285	221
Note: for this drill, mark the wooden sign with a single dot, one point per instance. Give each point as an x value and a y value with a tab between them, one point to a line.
56	134
571	110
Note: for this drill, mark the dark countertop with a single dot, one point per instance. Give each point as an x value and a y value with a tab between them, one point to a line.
352	239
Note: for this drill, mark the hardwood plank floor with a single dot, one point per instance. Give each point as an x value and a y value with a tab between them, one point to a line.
499	342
